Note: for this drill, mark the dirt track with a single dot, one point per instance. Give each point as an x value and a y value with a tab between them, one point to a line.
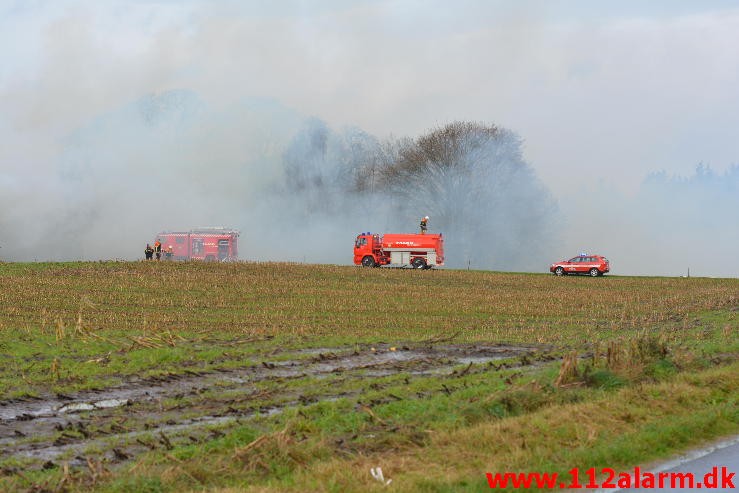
120	422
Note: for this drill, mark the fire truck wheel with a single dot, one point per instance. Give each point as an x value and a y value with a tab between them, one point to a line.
368	261
418	263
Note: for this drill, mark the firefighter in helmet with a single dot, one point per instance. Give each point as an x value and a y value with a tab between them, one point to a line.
148	252
168	253
158	249
424	224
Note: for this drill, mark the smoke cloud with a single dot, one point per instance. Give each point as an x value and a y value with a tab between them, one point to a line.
673	225
297	189
288	120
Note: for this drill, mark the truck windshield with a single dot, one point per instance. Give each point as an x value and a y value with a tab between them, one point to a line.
360	242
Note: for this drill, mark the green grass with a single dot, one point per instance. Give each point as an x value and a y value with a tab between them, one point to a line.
78	312
658	372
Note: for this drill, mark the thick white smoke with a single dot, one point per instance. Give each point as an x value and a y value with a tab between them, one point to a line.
91	168
297	189
673	224
300	191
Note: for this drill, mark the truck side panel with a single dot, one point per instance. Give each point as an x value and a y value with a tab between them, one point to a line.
194	245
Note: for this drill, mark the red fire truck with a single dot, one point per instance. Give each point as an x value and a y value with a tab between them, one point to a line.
420	251
200	244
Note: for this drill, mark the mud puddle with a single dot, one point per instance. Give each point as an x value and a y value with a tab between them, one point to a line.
131	443
119	421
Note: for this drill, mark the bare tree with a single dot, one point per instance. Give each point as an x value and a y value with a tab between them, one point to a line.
472	180
469	177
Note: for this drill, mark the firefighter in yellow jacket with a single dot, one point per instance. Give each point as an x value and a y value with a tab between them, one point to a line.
424	224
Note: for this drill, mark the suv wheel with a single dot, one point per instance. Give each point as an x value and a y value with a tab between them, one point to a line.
559	271
594	272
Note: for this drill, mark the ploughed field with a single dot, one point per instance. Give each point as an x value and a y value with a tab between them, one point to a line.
160	376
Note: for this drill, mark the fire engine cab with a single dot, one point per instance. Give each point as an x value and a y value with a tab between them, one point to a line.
208	244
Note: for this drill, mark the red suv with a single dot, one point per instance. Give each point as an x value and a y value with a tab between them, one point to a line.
594	265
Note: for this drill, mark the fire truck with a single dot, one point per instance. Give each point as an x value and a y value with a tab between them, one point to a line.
420	251
208	244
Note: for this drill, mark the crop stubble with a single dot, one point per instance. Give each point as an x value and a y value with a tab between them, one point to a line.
184	349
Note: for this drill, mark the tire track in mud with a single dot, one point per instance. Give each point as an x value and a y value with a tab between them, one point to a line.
140	415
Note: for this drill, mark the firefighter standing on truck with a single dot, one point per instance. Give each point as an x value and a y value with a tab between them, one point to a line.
424	224
158	249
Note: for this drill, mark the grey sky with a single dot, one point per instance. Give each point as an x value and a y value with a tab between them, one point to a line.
602	92
612	88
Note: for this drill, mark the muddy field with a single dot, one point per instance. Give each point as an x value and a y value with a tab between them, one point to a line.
116	424
278	377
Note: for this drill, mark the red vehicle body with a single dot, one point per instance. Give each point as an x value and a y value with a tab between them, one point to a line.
200	244
594	265
401	250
